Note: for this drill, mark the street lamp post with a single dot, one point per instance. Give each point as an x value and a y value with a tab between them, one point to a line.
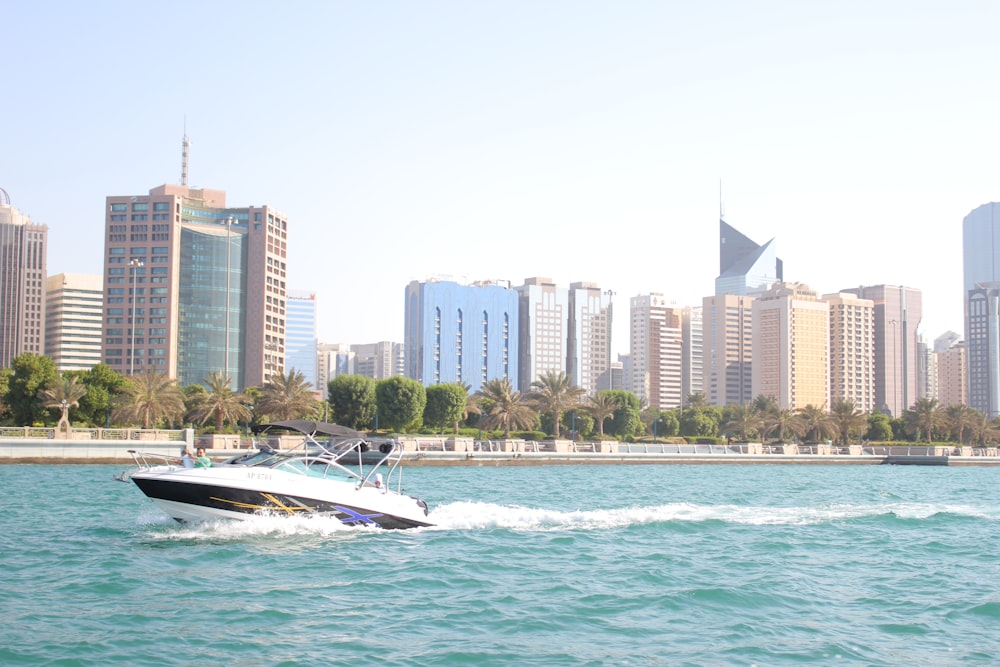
136	264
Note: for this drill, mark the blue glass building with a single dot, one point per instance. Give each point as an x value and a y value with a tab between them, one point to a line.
465	334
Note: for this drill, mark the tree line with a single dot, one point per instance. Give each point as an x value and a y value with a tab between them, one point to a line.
34	393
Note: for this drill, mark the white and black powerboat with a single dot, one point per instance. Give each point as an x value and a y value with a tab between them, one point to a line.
330	473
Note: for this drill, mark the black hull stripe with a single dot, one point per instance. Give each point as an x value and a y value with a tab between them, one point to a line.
249	501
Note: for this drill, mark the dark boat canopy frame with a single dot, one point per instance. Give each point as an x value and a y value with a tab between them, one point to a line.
309	428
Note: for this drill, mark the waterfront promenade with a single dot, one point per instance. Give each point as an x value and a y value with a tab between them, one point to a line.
47	445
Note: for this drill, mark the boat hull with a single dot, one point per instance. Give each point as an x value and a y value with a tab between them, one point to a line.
205	494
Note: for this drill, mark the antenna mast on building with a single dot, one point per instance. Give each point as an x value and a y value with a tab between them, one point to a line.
722	210
4	197
185	150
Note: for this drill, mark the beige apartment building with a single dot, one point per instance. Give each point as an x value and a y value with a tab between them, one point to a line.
791	347
727	349
951	370
852	350
22	283
74	307
656	351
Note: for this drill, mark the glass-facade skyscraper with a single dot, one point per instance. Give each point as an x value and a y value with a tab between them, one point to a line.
192	286
466	334
981	295
22	283
301	348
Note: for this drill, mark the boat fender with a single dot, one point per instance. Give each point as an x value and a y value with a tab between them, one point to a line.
385	448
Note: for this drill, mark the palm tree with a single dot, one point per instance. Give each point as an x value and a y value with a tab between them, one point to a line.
220	403
984	429
552	393
601	407
923	416
286	397
847	418
471	405
504	407
816	423
148	398
745	420
697	399
961	418
765	404
783	420
64	394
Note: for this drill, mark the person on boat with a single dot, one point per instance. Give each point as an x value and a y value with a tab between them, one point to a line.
379	484
187	458
202	461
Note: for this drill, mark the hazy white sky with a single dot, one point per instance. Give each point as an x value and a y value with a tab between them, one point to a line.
582	141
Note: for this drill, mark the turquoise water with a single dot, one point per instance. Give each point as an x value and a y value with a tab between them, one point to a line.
553	565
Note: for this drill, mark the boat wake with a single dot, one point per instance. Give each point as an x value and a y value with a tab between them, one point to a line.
468	515
476	515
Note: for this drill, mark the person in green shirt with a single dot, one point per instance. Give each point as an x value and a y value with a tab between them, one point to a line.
201	460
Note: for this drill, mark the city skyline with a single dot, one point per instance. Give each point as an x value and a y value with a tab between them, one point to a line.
583	143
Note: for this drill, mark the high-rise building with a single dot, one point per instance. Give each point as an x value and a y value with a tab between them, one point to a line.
589	350
949	350
74	309
727	349
744	266
927	386
692	336
192	286
543	333
981	285
898	312
466	334
791	336
656	351
334	359
22	283
852	350
378	361
301	353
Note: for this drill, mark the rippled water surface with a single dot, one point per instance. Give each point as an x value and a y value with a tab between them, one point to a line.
551	565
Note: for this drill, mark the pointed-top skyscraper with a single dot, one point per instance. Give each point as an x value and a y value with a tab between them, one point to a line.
744	266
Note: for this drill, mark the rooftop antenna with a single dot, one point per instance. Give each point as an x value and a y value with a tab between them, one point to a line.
185	150
722	210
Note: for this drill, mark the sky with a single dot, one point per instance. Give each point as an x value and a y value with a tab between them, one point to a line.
578	141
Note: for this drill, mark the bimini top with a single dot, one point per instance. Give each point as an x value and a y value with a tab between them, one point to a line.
309	428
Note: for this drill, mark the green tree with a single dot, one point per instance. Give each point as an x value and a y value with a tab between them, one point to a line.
5	376
961	419
553	394
31	373
286	396
401	402
696	400
601	407
626	422
445	405
743	420
847	419
699	422
781	422
879	428
503	407
149	398
219	403
817	424
352	400
923	418
471	404
104	385
63	393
